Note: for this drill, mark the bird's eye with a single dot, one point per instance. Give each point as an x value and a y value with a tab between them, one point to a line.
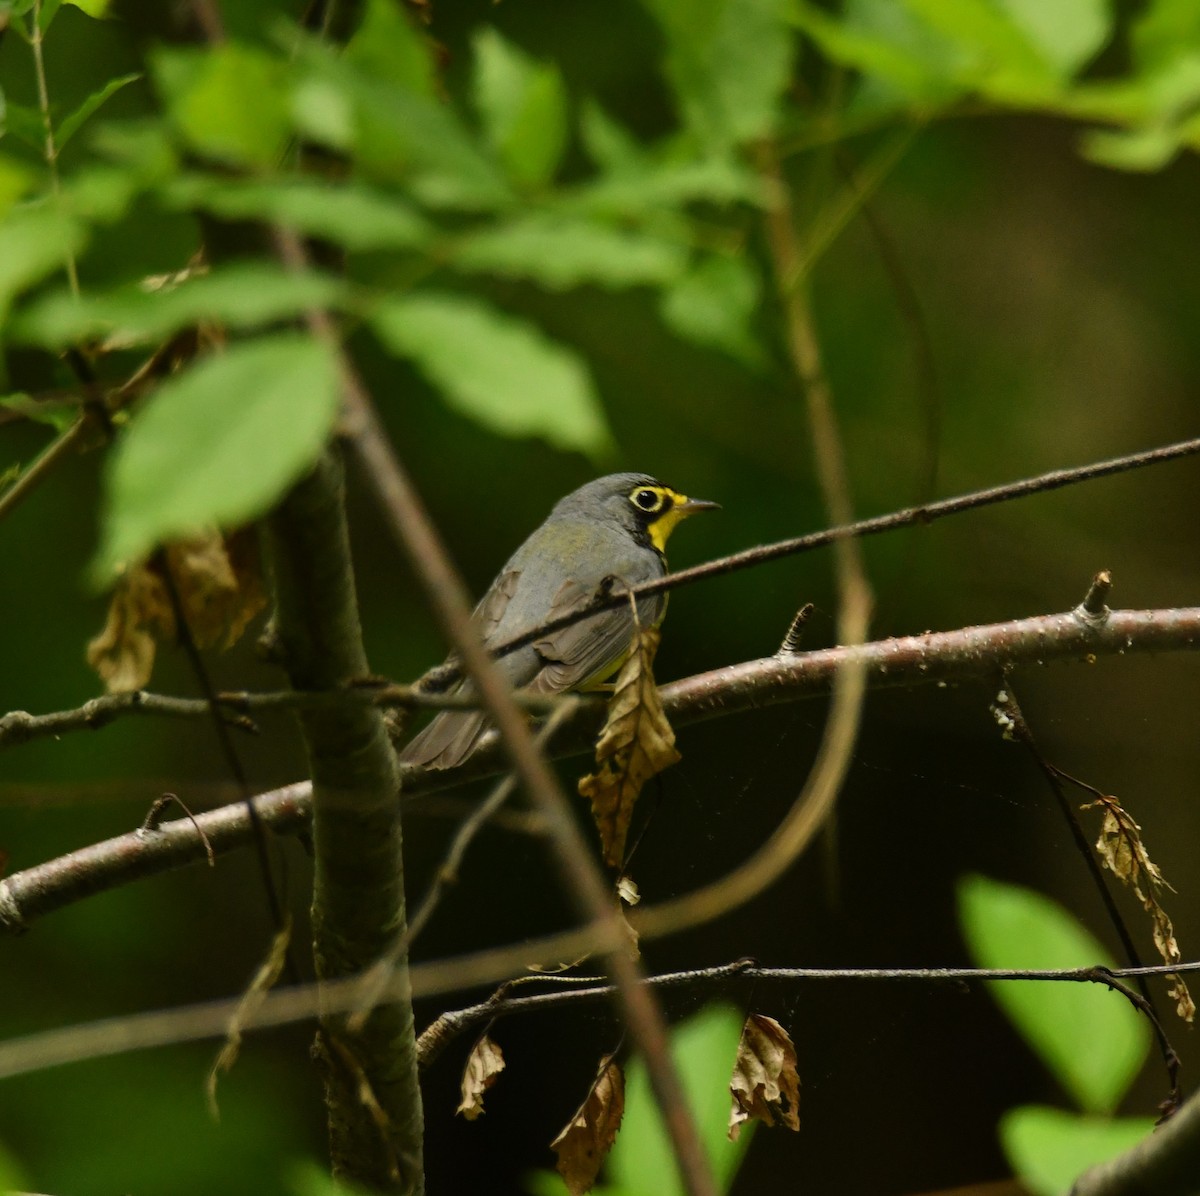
646	500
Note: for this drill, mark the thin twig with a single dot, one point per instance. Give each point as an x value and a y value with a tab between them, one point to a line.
141	1031
18	726
42	465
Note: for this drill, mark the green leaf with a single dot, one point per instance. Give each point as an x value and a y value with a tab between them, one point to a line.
352	215
388	46
1049	1149
58	416
399	136
1089	1037
498	370
93	8
641	1162
523	105
713	305
1165	30
230	102
23	123
1067	33
34	242
218	443
311	1179
728	62
559	253
239	296
667	184
609	144
15	180
72	123
1146	149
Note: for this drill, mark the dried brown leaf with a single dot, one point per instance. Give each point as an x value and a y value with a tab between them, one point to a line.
219	580
637	742
1121	848
765	1084
220	587
256	993
587	1138
628	891
484	1065
139	616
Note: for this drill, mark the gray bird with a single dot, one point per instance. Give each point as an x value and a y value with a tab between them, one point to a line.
614	529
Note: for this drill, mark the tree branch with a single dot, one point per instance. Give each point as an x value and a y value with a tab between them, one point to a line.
940	658
358	886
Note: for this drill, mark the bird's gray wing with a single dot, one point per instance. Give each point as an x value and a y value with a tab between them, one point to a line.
451	737
589	651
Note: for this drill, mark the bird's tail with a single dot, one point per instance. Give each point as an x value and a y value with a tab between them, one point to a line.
447	741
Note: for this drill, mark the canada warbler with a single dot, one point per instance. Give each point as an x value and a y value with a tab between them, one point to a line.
611	531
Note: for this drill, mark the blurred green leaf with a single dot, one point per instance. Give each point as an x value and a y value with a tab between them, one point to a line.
642	1162
34	242
609	144
310	1179
496	369
666	184
73	122
1145	149
388	45
23	123
15	180
1165	30
11	1177
230	102
1089	1037
728	62
93	8
703	1047
713	305
1067	33
523	106
240	295
560	253
57	416
352	215
218	443
401	136
1049	1149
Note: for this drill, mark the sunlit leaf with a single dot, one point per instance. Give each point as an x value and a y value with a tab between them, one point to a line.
1049	1149
560	253
1067	33
15	180
1089	1037
73	122
523	105
497	369
93	8
240	295
609	144
230	102
218	443
728	62
351	215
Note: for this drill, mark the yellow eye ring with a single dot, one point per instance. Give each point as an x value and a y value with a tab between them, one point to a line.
647	500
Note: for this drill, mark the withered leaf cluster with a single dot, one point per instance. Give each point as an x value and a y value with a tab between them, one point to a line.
219	581
1124	854
637	742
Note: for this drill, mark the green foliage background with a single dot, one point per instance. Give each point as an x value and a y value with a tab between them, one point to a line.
578	253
